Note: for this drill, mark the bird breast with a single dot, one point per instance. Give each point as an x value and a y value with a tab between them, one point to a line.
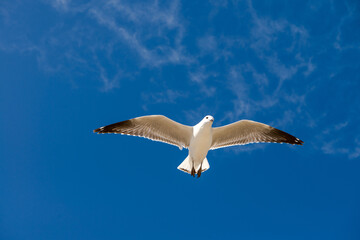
201	141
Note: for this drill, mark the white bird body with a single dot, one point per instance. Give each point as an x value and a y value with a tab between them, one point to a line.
200	138
200	142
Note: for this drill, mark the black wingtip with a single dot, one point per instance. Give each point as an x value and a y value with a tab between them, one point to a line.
298	142
115	127
98	130
284	137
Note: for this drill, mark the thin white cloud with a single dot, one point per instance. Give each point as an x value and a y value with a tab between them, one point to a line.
331	148
144	14
194	115
207	43
356	152
310	67
349	17
201	77
132	25
266	32
129	38
334	128
240	86
218	47
150	22
168	96
281	71
286	119
340	126
61	5
332	141
108	83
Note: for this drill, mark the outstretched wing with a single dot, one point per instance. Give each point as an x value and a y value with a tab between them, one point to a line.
154	127
246	131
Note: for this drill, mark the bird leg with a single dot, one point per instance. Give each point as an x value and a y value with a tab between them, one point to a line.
193	171
199	171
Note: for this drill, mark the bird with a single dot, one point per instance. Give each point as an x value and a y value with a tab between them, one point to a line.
199	139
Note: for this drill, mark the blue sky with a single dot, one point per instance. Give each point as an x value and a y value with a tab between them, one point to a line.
68	67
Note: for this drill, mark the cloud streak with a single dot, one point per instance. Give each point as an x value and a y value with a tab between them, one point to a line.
150	23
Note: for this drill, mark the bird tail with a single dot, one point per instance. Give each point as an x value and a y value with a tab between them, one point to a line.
188	164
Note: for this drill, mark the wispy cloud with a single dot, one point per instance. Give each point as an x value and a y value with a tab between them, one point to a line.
207	43
195	113
168	96
355	153
149	22
331	148
281	71
153	31
286	119
201	77
266	33
108	83
310	67
61	5
350	16
254	83
218	47
335	140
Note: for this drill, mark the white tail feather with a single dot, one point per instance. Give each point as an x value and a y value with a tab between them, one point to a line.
205	165
187	165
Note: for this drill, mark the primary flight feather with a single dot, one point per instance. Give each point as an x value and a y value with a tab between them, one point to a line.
200	138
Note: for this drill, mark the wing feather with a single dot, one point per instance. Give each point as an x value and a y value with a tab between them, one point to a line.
154	127
246	131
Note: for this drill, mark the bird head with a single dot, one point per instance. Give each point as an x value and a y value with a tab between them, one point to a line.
208	119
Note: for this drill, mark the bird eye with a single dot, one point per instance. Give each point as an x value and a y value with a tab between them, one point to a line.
207	117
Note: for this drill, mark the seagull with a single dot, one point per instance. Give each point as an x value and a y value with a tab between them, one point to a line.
200	138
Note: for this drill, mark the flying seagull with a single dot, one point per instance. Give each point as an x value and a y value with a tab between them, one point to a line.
200	138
